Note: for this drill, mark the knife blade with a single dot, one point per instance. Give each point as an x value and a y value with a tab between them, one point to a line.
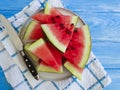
19	45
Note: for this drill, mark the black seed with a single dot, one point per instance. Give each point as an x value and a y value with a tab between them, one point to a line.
62	26
63	59
75	30
53	20
67	49
72	24
57	16
72	48
68	31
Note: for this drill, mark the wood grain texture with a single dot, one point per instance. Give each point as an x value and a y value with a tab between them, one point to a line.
11	7
103	18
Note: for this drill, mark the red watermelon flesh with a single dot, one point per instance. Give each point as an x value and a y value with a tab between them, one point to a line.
40	49
54	11
58	35
33	31
42	18
40	65
56	53
56	19
78	50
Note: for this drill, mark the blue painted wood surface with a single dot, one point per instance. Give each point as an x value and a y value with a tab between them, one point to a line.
103	18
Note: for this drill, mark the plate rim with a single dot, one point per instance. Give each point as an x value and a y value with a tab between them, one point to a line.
24	26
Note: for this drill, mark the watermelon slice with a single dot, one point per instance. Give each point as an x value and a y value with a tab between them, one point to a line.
75	70
35	58
58	56
78	50
40	49
40	65
33	31
58	35
47	19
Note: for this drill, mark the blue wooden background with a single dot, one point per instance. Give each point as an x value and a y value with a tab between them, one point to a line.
103	17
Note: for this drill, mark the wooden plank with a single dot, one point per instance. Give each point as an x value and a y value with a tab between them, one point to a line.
13	4
107	53
93	6
11	7
3	82
115	75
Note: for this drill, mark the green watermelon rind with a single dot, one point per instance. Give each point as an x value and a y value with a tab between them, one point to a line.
47	9
73	70
34	46
43	68
52	38
35	58
29	29
87	47
74	20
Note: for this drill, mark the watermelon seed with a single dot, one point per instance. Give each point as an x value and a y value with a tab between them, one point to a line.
57	16
53	20
68	31
72	48
67	49
75	30
62	26
72	24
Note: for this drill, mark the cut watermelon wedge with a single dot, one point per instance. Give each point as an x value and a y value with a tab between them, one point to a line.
58	36
33	31
79	48
40	65
58	56
75	70
59	19
35	58
40	49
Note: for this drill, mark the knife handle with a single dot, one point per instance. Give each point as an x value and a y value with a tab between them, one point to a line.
30	66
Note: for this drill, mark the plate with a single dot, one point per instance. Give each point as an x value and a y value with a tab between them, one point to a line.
53	76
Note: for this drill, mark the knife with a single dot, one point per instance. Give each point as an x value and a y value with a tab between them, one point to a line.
19	45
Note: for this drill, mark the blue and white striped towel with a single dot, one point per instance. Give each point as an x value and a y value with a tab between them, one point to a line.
94	76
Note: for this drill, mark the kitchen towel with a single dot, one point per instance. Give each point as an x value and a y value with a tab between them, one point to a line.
94	76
